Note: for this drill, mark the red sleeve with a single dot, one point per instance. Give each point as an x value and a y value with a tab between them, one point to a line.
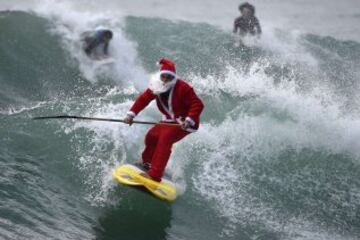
141	102
196	107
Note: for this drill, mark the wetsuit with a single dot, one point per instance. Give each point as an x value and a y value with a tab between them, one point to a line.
165	98
249	25
92	42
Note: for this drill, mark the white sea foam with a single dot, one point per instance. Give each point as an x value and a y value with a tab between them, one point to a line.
277	118
70	22
220	157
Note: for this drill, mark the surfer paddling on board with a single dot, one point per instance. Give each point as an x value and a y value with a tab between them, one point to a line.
96	44
247	23
178	103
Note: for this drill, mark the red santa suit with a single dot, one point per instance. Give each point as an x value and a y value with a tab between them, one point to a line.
179	104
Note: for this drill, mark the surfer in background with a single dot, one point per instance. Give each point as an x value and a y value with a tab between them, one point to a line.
247	23
96	44
178	103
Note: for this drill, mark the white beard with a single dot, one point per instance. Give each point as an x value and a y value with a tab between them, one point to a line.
157	86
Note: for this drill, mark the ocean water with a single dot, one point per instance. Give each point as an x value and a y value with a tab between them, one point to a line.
277	155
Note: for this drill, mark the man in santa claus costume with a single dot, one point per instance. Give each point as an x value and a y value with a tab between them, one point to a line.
179	104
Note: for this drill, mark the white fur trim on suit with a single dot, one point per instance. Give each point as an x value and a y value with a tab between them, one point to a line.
168	72
169	109
131	113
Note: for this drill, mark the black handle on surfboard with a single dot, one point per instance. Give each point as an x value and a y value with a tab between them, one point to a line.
100	119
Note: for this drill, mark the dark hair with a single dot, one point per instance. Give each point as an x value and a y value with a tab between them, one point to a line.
108	33
248	6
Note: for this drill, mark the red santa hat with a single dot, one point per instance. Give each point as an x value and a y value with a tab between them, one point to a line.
167	66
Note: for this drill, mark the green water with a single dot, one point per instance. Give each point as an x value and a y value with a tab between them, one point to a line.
276	156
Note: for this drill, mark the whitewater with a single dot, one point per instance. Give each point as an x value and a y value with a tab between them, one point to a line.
276	156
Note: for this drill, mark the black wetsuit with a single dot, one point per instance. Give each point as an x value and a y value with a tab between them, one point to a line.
165	98
249	25
92	42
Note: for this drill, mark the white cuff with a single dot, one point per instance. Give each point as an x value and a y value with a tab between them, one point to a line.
192	122
131	114
168	72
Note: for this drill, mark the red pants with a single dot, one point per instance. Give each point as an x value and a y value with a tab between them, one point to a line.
158	144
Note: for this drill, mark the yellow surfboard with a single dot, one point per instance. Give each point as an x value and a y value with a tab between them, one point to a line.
130	175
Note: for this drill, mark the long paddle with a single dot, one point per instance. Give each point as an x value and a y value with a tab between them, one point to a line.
100	119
